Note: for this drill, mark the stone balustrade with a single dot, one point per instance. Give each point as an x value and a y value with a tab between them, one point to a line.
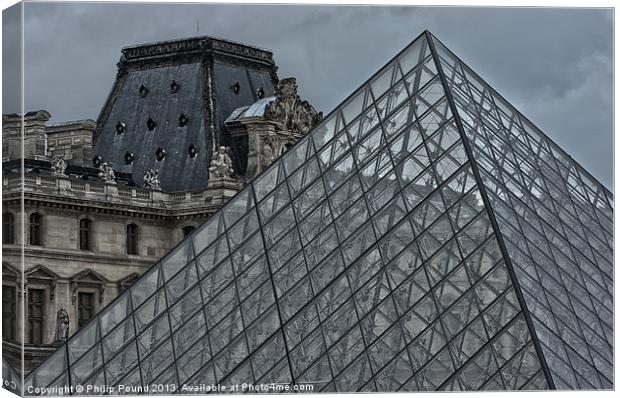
216	194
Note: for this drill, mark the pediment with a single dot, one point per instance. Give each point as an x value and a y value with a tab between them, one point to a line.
41	272
128	279
9	270
89	275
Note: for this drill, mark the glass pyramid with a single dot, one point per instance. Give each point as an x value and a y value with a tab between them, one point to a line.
425	236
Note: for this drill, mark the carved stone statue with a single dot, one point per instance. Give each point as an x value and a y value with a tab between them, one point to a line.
151	179
62	325
289	111
59	165
221	164
106	172
270	150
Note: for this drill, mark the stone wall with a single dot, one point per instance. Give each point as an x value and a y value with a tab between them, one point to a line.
73	140
33	134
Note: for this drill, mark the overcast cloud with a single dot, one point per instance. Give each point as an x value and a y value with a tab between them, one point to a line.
555	65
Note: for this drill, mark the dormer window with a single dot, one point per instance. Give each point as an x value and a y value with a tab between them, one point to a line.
120	127
160	154
260	93
183	119
129	157
143	91
192	151
174	87
97	161
235	88
151	124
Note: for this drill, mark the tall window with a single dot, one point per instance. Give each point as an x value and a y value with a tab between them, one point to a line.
86	307
85	234
8	228
132	239
36	310
35	229
188	230
9	312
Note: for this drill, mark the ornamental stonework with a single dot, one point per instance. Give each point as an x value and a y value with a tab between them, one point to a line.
289	111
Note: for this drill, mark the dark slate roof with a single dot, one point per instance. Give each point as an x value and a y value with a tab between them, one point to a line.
205	69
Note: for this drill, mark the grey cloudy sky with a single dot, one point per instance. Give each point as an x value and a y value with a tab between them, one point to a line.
555	65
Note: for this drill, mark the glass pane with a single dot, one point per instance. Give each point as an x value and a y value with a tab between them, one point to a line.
50	370
115	313
83	341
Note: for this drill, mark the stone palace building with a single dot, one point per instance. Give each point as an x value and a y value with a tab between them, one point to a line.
186	124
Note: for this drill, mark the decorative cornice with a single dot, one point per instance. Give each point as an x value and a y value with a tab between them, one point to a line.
161	48
252	63
78	255
86	124
187	50
41	115
122	209
242	50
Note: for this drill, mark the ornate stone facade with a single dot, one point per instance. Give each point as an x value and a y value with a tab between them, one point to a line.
289	112
271	125
93	222
60	267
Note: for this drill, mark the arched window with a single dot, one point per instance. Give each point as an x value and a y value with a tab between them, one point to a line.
36	220
85	229
8	228
188	230
132	239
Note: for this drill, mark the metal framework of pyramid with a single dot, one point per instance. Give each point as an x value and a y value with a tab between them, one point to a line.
424	236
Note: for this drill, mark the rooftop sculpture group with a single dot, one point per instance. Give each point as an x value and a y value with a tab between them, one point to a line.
221	164
59	165
289	110
106	172
151	179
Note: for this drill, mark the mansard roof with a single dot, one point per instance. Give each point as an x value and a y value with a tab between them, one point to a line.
200	80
